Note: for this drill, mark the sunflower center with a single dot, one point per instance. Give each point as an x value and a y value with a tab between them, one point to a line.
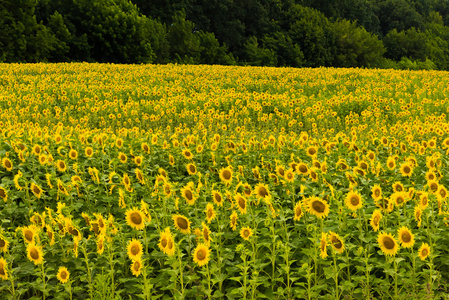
2	243
188	194
424	252
312	151
2	270
210	213
192	169
302	169
355	200
29	235
63	275
434	187
136	265
318	206
263	191
399	200
217	198
206	235
298	211
226	174
2	193
136	218
34	254
135	249
242	203
407	169
406	237
170	244
377	193
388	243
376	220
364	166
246	233
201	255
164	242
182	223
337	243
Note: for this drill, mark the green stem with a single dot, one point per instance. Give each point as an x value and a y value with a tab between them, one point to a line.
43	281
337	294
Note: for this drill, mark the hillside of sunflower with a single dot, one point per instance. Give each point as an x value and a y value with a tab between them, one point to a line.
162	182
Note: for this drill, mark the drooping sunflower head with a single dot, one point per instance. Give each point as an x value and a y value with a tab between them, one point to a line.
354	200
201	254
387	244
3	269
3	194
336	242
298	211
233	220
406	237
318	207
182	223
135	218
240	202
63	275
375	219
134	249
210	212
323	245
206	234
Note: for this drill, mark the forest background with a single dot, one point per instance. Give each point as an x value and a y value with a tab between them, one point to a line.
400	34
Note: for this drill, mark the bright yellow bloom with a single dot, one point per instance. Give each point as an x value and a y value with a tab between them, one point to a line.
63	275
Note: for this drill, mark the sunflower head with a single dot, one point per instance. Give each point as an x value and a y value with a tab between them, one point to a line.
73	154
318	207
246	233
298	211
201	254
388	244
406	237
4	244
217	197
135	249
424	251
191	169
89	152
336	242
240	202
233	220
182	223
376	192
63	275
210	212
34	254
136	267
135	218
262	192
354	200
3	269
226	175
375	219
323	245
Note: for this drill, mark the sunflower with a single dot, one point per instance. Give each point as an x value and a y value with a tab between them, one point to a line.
134	249
376	192
210	212
375	219
418	215
406	169
37	150
187	154
181	223
280	170
139	176
302	169
3	194
226	175
201	254
261	191
7	164
240	201
323	245
385	205
100	244
61	166
387	244
391	163
4	244
37	191
188	193
424	251
217	197
73	154
164	237
34	253
312	151
441	193
336	242
3	269
433	185
138	160
246	233
89	152
136	267
191	169
399	198
298	211
63	275
353	200
205	233
423	200
135	218
29	233
122	157
171	160
246	189
406	237
318	207
76	180
233	220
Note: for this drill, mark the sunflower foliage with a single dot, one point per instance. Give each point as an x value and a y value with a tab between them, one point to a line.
180	182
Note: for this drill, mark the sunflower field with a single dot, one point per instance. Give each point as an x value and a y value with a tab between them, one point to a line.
194	182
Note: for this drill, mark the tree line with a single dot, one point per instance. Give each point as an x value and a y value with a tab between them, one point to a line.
297	33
